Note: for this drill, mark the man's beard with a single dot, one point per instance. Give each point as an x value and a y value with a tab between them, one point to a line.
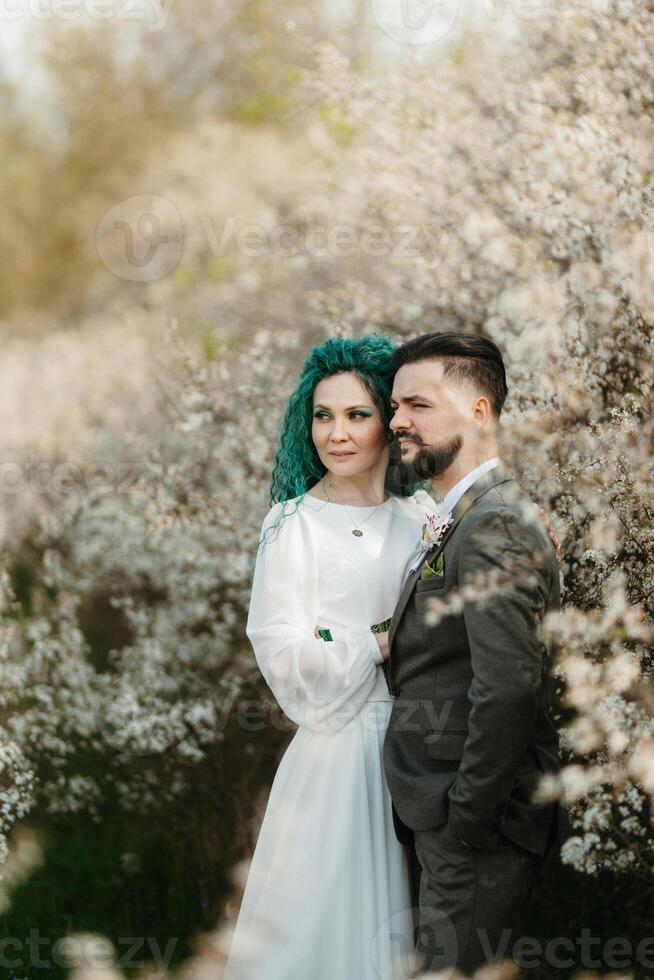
428	462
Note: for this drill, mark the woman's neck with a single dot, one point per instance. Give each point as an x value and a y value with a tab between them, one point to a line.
364	490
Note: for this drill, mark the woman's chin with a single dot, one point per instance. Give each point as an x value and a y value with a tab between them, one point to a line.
347	467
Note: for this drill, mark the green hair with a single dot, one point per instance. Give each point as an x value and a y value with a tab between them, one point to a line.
297	464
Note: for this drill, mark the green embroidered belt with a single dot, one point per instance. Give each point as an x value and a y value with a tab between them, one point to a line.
382	627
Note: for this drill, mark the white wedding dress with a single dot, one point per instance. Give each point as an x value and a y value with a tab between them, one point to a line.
327	895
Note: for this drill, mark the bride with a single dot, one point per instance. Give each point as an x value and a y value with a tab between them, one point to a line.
328	892
327	895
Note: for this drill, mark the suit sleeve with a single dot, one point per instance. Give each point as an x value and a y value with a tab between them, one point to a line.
319	684
505	562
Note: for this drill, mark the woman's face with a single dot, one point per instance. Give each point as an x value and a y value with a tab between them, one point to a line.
347	428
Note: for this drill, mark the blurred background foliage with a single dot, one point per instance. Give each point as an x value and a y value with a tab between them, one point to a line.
203	106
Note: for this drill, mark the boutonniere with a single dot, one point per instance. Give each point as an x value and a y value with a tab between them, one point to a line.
432	535
434	529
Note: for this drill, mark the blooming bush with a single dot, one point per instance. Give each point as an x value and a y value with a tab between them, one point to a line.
526	209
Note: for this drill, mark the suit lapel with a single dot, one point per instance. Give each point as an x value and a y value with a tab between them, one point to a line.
467	500
405	595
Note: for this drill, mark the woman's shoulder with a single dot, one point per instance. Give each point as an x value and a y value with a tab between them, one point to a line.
282	531
281	511
293	518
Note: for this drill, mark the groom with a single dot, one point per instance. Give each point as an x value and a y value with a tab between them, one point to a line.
470	731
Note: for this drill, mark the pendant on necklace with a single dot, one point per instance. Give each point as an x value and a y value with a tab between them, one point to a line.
357	533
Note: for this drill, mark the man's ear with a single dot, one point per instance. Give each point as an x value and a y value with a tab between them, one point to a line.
482	410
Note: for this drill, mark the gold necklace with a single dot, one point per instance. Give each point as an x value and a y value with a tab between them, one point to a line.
356	531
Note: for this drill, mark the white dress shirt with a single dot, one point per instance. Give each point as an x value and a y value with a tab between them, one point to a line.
453	495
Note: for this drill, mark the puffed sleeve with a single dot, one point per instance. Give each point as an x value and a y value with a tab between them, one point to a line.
319	684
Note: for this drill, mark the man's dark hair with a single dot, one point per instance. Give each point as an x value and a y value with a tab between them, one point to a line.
465	356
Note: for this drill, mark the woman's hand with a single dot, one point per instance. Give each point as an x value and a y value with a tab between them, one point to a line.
552	533
382	641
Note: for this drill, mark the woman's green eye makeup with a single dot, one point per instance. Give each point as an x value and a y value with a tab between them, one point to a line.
359	412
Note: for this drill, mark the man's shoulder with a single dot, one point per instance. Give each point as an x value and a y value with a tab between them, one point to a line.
504	509
507	496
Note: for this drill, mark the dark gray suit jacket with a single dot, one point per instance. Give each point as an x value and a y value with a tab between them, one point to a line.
470	730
